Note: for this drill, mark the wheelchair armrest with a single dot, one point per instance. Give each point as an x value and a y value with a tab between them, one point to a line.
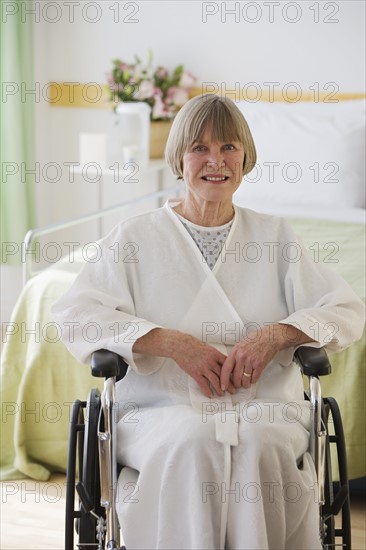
313	361
106	364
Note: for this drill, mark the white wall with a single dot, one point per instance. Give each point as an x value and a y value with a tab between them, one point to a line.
225	47
257	42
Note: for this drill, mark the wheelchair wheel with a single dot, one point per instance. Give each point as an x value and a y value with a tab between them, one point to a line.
334	503
83	445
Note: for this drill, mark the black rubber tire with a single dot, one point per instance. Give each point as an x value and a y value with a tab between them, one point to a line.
329	539
338	438
83	450
89	471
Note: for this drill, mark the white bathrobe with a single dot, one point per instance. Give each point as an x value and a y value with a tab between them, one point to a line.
230	472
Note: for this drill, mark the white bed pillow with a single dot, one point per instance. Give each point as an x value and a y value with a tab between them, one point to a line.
308	153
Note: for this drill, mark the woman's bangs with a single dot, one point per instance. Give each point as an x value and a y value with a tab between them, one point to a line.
220	123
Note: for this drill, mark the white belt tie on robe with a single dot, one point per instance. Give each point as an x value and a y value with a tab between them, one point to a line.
226	432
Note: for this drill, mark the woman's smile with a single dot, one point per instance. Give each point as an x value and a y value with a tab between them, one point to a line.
215	178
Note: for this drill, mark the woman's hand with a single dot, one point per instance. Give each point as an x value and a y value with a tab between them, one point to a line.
249	358
202	362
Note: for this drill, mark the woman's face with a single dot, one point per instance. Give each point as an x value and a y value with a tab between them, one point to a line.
213	171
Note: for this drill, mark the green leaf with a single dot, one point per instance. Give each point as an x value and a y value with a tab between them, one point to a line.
125	76
178	70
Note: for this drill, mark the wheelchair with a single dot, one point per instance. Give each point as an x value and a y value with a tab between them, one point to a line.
91	480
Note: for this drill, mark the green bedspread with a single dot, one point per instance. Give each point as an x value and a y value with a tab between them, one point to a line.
40	379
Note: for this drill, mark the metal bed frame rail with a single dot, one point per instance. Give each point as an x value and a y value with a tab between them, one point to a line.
33	234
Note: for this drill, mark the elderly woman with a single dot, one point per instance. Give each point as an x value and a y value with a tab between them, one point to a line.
207	311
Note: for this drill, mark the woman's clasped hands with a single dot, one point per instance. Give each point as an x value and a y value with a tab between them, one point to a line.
216	372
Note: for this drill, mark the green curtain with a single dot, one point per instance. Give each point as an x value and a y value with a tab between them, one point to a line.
17	129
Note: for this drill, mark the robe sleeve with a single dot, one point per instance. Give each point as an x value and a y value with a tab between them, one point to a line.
97	312
320	303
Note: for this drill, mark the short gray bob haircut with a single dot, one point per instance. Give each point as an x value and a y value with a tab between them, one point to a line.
226	123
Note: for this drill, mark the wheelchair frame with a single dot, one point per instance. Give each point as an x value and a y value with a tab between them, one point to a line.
96	519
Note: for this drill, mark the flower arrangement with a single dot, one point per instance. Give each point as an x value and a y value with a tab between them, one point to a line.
164	91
